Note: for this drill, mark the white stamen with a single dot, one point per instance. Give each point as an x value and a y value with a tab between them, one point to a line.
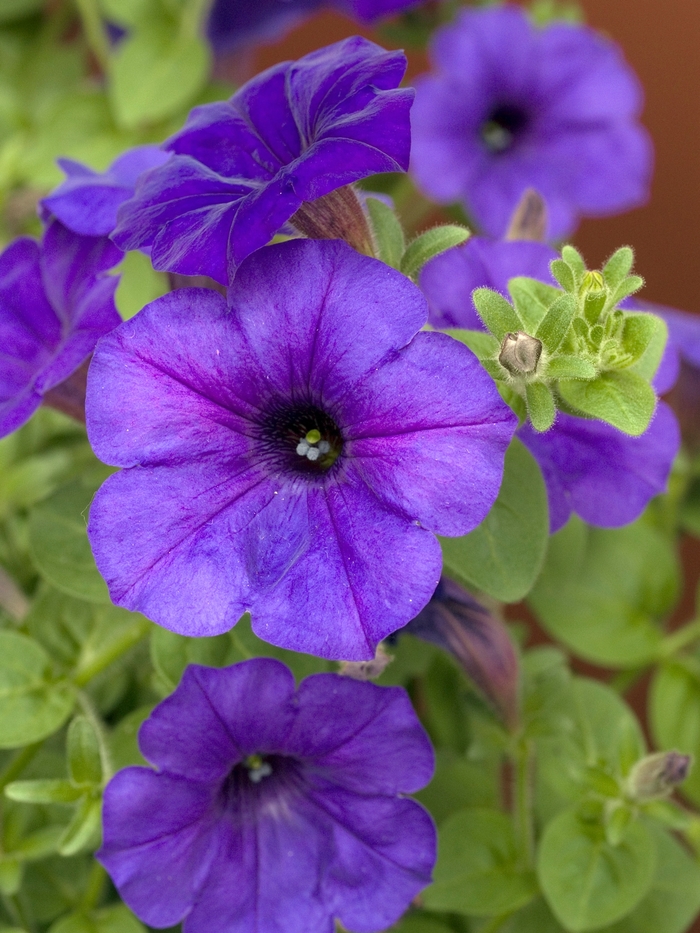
313	453
324	446
302	448
257	774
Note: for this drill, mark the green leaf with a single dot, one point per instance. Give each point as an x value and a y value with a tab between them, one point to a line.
55	885
531	299
647	366
429	244
587	882
445	715
621	398
618	267
129	12
83	747
171	653
570	367
602	591
31	706
563	274
11	872
638	332
83	830
39	844
477	870
14	9
674	714
139	284
574	260
627	287
59	545
536	917
483	345
416	922
504	554
114	919
156	72
541	407
43	791
496	313
555	325
123	742
388	232
460	782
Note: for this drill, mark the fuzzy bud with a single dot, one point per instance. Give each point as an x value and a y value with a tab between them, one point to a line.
658	775
520	353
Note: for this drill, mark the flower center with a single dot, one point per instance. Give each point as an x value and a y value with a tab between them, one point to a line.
504	123
265	781
258	768
305	438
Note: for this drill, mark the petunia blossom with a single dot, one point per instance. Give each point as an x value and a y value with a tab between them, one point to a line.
55	303
272	808
241	168
291	454
233	24
511	106
591	468
87	201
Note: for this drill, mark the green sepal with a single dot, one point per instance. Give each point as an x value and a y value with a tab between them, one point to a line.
555	325
638	332
83	830
84	760
541	407
429	244
574	260
531	299
563	273
619	397
594	305
618	267
478	870
504	554
570	367
496	313
43	791
388	232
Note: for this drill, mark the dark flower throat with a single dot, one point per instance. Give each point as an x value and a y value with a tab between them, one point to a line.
303	438
504	124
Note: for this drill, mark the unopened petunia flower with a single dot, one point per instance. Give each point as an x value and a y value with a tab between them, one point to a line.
511	106
236	23
290	454
245	166
55	303
87	201
591	468
272	809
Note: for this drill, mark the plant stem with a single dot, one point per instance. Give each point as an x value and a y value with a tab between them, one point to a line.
132	636
94	888
95	33
684	636
18	764
523	801
98	725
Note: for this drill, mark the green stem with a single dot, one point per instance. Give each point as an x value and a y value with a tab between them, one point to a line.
98	725
95	32
523	802
680	639
132	636
18	764
95	886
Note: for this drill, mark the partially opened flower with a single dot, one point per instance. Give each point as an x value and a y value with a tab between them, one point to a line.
55	303
512	106
272	809
243	167
591	468
291	454
236	23
87	201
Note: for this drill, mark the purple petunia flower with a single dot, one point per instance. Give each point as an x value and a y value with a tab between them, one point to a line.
236	23
272	810
291	454
449	279
55	303
243	167
591	468
512	106
87	201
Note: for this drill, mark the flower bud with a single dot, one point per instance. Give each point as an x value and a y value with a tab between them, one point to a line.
520	353
593	283
337	215
479	641
658	775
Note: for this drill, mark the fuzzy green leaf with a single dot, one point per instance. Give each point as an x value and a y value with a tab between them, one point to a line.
618	267
429	244
496	313
83	830
49	790
388	232
84	761
570	367
555	325
540	405
531	299
619	397
574	260
639	331
563	274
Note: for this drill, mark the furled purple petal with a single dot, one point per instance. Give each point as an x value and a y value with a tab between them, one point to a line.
372	744
601	474
438	457
160	837
243	167
87	201
571	105
449	279
209	724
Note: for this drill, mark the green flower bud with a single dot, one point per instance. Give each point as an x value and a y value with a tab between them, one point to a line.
658	775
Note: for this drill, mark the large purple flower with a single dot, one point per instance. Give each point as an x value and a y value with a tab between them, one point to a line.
236	23
272	809
55	303
589	467
512	106
87	201
292	454
243	167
